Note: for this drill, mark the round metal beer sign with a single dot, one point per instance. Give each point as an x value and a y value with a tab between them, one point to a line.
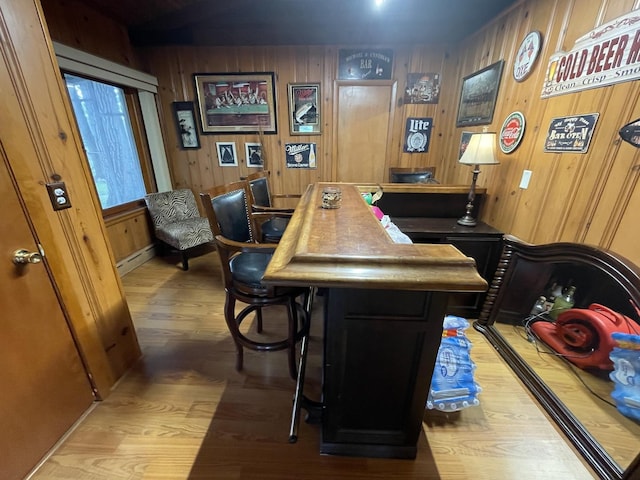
527	56
511	132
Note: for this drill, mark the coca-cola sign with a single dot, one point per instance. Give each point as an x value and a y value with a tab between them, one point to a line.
511	132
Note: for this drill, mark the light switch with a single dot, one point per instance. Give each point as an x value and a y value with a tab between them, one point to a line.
524	181
58	195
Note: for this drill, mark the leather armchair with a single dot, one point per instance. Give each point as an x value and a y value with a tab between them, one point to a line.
262	201
243	261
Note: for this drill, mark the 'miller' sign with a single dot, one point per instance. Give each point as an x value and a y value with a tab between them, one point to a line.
607	55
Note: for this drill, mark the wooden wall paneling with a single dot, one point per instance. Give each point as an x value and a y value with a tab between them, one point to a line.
579	185
130	233
615	8
527	155
508	32
449	170
618	179
75	24
601	164
328	154
621	240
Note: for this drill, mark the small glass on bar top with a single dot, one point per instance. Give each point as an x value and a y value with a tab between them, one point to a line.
331	197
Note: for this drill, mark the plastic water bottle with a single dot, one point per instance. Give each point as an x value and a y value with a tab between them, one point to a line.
626	374
452	384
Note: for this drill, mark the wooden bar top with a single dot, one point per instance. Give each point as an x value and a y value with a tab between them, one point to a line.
348	247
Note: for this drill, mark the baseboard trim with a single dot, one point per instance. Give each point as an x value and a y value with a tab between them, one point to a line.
136	259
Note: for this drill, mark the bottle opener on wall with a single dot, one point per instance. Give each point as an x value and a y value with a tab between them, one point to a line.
631	133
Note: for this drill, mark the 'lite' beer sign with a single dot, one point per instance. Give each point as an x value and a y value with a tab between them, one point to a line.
607	55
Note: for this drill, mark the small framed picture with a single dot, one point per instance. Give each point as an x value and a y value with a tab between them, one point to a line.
185	118
253	153
464	143
304	108
227	156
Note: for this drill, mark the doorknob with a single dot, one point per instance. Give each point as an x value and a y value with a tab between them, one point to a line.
22	256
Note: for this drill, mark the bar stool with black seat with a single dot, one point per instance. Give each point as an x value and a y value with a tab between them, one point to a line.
262	201
243	262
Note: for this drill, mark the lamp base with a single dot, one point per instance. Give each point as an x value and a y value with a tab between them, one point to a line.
467	221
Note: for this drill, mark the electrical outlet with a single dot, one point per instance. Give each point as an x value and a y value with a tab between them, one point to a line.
58	195
524	181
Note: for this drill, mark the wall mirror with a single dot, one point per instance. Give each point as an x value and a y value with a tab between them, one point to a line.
578	398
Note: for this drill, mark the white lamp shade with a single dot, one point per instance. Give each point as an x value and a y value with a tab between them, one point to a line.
481	150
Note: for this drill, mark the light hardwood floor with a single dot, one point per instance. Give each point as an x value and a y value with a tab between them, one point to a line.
183	412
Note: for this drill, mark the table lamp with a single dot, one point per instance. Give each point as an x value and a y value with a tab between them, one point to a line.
480	151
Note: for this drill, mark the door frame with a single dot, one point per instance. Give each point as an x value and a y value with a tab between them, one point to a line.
393	84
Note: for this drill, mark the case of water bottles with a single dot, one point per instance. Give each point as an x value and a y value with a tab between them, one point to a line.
626	374
453	386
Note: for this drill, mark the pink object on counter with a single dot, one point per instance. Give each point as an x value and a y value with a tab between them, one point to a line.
377	212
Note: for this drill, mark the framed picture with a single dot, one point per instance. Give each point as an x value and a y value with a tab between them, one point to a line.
186	125
478	96
236	102
227	156
464	143
253	153
422	88
304	108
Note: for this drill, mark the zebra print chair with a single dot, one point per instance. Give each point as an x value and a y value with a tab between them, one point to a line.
177	221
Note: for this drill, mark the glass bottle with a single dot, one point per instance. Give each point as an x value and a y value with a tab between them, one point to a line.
554	292
539	306
563	302
312	156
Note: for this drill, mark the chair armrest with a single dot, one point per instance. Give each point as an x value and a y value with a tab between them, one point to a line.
267	215
245	247
258	208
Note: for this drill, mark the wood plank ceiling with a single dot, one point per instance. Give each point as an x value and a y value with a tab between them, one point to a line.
299	22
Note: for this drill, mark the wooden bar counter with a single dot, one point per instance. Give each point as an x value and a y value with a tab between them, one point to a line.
384	306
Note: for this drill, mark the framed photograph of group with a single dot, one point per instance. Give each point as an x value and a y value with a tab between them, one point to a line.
236	102
478	96
304	108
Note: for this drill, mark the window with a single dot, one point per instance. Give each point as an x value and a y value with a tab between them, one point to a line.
104	121
139	90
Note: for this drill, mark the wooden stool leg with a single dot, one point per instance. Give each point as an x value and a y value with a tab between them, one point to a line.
232	324
259	319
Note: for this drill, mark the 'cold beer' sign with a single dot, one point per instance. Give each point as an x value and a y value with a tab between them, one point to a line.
607	55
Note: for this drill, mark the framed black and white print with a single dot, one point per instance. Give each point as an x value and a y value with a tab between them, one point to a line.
185	118
478	96
227	156
253	154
